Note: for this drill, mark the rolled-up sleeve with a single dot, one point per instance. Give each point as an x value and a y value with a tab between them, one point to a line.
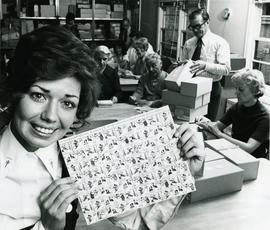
223	61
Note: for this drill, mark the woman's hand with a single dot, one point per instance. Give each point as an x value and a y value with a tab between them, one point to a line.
54	201
214	129
191	145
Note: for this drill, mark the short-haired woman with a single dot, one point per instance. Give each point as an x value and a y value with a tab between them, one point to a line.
151	83
249	117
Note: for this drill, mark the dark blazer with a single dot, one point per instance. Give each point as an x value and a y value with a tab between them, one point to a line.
110	84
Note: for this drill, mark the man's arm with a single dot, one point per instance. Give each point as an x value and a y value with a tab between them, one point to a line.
223	65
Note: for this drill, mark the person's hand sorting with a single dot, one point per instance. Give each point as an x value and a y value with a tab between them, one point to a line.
214	129
198	66
55	200
190	142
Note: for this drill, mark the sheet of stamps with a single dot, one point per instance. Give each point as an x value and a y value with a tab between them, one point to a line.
127	165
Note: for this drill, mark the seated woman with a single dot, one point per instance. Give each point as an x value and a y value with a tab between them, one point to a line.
249	117
53	84
151	83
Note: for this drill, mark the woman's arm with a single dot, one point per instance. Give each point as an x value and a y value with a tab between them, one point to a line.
249	146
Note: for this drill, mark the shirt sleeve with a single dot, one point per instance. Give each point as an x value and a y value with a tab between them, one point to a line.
223	65
261	132
185	52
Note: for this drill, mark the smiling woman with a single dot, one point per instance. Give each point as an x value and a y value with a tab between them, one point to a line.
53	84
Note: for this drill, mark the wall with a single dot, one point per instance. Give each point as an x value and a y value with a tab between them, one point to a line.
234	30
149	20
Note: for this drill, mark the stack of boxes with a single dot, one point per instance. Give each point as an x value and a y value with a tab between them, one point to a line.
226	168
66	6
84	8
187	97
101	10
85	30
47	10
236	155
118	10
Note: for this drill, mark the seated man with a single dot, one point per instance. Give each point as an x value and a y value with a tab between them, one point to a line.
131	55
108	77
249	117
151	83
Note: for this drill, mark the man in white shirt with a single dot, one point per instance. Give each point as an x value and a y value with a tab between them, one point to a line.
211	56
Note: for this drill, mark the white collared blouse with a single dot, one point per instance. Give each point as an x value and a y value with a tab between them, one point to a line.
23	175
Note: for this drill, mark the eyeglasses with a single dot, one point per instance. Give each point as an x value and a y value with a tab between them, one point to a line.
196	27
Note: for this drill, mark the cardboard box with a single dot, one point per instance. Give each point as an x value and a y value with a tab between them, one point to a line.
116	14
86	12
206	98
63	10
188	114
196	86
103	6
118	7
47	11
244	160
179	74
212	155
220	177
220	144
175	98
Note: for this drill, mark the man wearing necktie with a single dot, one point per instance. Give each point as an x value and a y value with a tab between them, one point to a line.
210	54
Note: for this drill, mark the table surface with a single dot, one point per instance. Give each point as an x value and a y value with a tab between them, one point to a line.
117	111
247	209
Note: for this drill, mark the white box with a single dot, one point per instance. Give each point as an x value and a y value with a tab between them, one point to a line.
179	74
220	177
103	6
196	86
220	144
118	7
244	160
47	11
63	10
212	155
206	98
175	98
188	114
86	12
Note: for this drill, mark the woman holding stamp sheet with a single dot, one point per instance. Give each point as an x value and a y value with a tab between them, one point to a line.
53	84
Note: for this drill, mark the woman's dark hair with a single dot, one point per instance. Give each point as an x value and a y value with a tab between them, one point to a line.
52	53
201	12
